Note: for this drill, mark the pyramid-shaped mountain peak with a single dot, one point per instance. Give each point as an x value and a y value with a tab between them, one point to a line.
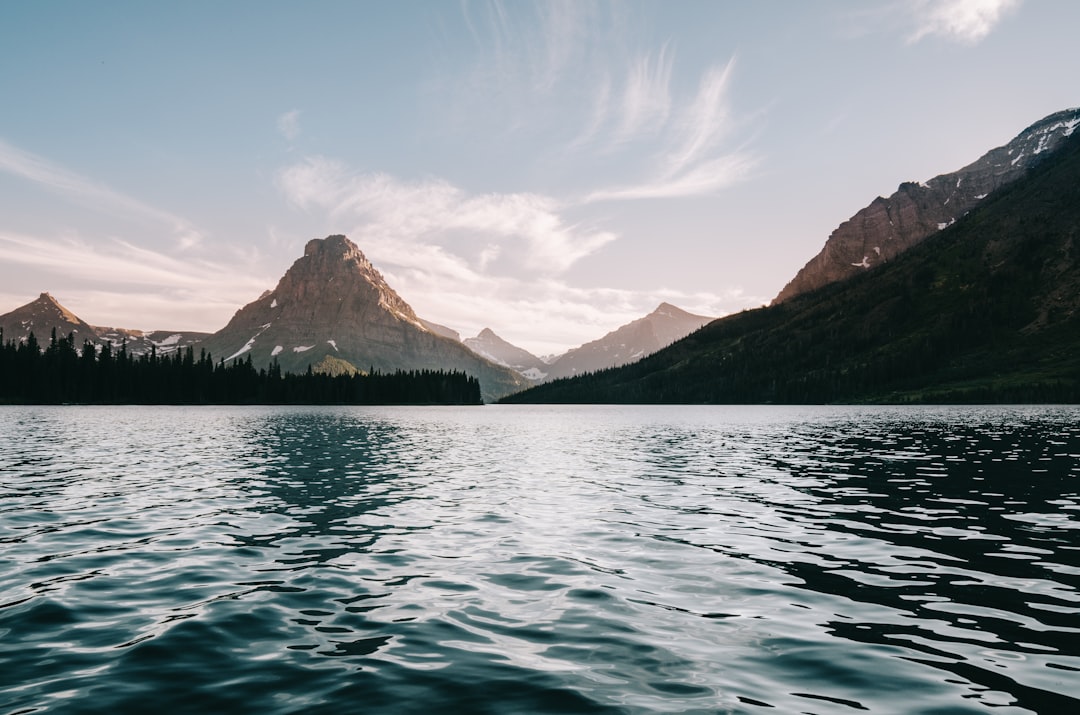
332	302
667	309
41	317
334	277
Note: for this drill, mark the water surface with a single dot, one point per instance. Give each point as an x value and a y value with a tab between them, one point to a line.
522	559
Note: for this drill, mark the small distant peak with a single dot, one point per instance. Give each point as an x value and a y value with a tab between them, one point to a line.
487	333
669	310
49	300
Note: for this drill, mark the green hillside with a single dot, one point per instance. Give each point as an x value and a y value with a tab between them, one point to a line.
987	310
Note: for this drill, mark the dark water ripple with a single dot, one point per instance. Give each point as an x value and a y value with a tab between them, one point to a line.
540	559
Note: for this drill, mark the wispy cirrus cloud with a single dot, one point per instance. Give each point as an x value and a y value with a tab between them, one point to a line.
531	48
94	195
703	178
596	74
965	21
646	100
692	160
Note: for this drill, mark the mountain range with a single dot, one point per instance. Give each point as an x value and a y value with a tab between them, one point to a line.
958	287
623	345
334	312
44	314
987	309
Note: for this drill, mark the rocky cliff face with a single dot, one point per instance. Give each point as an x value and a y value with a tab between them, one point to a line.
333	303
499	351
631	342
888	227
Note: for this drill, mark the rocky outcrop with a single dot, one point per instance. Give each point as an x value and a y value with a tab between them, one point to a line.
888	227
333	302
499	351
629	343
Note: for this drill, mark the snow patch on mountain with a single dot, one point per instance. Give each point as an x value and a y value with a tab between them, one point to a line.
249	344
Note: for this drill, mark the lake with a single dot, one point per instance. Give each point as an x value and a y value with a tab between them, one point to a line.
535	559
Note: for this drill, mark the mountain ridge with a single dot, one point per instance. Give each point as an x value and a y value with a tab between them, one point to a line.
502	352
986	310
916	210
45	314
629	342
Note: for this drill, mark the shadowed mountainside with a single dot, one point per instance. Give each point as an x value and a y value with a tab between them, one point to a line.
986	310
888	227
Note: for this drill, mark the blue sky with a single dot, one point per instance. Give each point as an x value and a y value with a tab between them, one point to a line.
550	170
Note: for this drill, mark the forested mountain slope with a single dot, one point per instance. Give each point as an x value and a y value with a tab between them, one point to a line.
986	310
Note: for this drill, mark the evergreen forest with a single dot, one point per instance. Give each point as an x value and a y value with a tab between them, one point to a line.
92	374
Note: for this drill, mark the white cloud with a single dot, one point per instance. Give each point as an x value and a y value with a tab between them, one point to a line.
706	177
693	164
646	101
966	21
704	123
472	261
534	47
591	78
91	194
435	212
289	124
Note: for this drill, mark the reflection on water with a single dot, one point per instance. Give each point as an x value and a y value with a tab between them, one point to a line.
540	559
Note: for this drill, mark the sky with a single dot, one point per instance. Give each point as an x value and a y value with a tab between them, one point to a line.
551	170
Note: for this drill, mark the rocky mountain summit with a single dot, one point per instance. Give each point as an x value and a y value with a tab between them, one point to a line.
41	316
332	303
888	227
628	343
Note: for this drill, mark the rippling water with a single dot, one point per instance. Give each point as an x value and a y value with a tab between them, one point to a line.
539	559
